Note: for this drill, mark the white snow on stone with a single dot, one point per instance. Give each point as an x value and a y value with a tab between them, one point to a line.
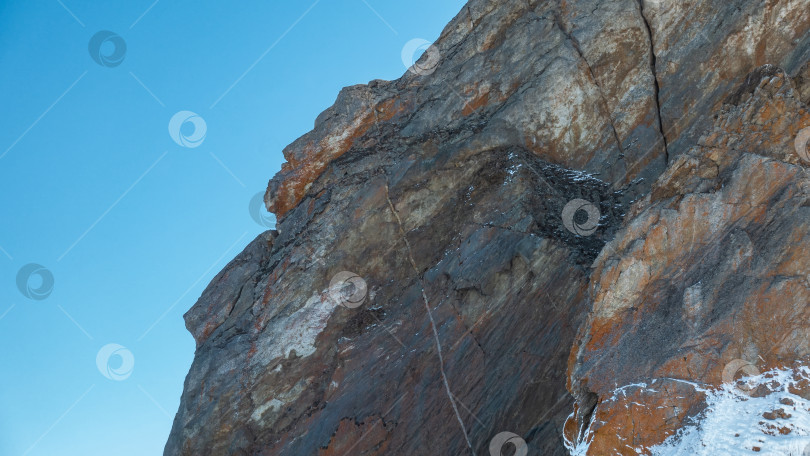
733	422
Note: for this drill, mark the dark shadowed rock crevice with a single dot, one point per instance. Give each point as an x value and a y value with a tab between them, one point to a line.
656	86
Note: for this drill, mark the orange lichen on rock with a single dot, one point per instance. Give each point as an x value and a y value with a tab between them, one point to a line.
641	416
685	287
299	173
480	100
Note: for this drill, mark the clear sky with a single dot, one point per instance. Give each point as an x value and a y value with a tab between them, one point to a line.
111	224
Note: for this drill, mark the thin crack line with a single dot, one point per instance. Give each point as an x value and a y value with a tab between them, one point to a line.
606	107
373	109
674	127
654	71
652	148
377	127
432	321
469	411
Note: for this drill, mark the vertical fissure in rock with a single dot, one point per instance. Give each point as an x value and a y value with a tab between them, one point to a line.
654	70
575	44
432	321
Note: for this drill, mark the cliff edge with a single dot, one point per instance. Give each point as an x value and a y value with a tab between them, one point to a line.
553	235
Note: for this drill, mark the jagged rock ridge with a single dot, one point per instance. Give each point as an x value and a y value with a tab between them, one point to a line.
445	191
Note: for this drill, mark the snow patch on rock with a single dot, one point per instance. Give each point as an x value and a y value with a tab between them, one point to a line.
772	421
735	423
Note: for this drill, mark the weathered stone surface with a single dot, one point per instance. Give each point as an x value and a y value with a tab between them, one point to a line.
444	191
707	269
529	74
224	293
295	374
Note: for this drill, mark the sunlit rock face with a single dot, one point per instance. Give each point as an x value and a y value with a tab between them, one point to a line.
563	223
707	269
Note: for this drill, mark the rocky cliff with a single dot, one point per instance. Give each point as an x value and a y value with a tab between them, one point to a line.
570	228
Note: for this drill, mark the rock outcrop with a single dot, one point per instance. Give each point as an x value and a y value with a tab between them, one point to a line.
561	200
709	268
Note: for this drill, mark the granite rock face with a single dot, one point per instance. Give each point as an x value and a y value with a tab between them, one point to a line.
478	299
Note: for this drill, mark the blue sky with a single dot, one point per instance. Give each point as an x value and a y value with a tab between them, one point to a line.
130	224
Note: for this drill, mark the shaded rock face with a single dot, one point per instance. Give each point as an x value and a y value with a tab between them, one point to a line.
288	371
485	303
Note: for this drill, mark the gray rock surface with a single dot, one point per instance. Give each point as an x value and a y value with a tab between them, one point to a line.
445	191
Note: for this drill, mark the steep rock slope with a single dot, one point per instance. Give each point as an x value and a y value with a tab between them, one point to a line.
446	195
